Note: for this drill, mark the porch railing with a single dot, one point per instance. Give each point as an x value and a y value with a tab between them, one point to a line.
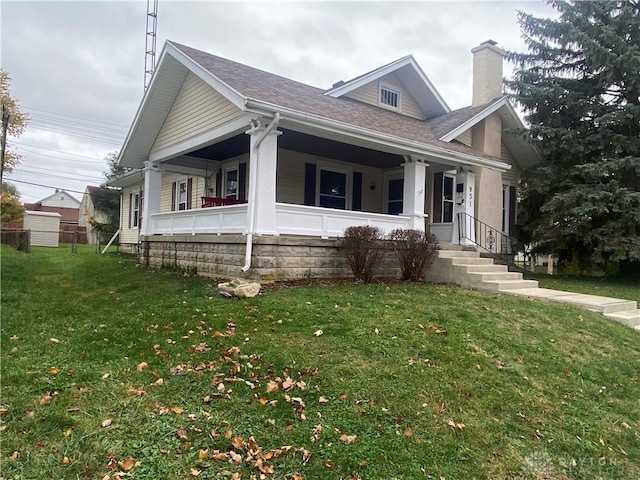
499	245
328	222
290	220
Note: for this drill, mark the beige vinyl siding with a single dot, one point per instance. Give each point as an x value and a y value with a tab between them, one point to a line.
465	138
369	94
197	190
290	178
196	109
514	173
128	235
44	226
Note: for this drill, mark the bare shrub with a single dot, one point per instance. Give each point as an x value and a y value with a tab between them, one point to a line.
416	251
362	248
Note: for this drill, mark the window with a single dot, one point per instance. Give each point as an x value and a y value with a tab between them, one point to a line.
333	189
447	199
395	194
443	197
135	209
389	97
231	183
181	198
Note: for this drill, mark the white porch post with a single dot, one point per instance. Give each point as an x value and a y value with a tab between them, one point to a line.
151	196
413	194
263	159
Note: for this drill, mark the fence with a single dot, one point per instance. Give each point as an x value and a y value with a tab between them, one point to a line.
18	239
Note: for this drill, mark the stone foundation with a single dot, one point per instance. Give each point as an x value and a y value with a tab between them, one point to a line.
273	258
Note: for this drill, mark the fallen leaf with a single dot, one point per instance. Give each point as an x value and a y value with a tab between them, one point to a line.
348	438
107	422
105	376
126	464
53	371
142	366
202	454
66	461
14	455
317	333
53	341
323	400
408	432
46	399
177	410
272	387
195	472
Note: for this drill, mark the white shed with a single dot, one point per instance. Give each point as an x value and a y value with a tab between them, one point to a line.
44	226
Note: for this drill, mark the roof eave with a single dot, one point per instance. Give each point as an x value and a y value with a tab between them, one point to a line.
397	143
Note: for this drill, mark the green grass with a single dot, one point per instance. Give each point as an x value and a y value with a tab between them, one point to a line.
407	381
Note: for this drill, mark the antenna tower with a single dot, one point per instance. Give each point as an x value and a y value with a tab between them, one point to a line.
150	43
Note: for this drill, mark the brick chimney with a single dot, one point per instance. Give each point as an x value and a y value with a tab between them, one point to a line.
487	72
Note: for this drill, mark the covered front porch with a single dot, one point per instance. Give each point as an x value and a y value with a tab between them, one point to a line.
261	176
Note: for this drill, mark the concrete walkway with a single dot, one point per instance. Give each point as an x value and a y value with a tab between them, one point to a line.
623	311
465	267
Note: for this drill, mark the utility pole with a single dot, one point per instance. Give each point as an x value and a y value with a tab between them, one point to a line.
3	144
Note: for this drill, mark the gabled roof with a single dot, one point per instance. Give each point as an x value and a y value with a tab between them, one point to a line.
57	193
451	125
301	106
412	77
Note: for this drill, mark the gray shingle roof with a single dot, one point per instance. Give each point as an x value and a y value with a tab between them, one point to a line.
259	85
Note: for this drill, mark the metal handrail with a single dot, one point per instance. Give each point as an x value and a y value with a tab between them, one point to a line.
498	244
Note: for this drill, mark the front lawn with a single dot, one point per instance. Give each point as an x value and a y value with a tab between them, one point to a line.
112	371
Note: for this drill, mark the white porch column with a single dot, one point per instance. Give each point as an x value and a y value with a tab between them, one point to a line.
465	203
263	159
413	194
151	195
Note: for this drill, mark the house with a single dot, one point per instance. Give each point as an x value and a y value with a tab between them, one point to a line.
237	170
60	202
99	213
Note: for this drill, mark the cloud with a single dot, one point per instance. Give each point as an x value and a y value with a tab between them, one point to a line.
81	64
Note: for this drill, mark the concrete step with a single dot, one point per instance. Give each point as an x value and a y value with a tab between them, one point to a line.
629	317
470	261
494	276
458	254
509	286
481	268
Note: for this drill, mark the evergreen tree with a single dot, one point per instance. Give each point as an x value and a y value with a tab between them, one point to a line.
579	86
113	169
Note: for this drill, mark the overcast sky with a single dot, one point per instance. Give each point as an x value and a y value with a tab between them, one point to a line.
77	68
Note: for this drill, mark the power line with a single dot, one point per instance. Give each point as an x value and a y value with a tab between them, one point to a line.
126	127
48	186
45	172
62	159
52	150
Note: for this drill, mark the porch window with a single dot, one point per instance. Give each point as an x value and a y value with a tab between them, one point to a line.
182	196
231	190
396	190
333	189
443	198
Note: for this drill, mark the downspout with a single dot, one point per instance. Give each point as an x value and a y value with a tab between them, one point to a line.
252	191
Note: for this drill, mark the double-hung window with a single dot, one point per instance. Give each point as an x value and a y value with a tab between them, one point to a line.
181	197
333	189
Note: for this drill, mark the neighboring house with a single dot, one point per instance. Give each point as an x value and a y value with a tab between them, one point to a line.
240	170
60	202
99	213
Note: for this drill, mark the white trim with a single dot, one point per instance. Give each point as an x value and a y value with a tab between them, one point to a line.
219	134
385	70
494	107
206	76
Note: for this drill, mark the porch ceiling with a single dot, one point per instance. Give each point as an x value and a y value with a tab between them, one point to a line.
297	142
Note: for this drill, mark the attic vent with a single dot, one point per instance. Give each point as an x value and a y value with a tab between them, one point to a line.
389	97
